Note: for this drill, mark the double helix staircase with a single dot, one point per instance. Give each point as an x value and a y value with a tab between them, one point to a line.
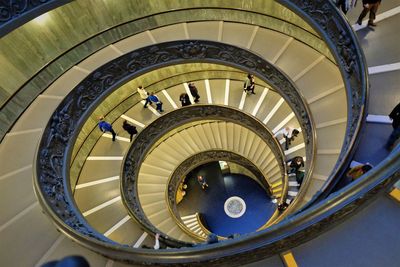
97	190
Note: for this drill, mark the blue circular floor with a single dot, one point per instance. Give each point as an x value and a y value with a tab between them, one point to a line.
210	202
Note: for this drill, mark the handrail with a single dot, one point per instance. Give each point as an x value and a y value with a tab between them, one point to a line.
80	44
300	228
195	160
276	239
344	46
16	13
144	142
228	55
132	99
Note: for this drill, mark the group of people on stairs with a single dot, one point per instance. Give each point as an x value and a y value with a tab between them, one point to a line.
107	127
184	97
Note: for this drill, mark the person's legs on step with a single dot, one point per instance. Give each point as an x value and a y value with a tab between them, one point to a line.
113	134
372	14
363	14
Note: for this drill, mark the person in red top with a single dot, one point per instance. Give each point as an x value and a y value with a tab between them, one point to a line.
370	6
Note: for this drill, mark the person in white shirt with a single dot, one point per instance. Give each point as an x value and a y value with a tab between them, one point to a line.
289	134
157	243
142	92
144	95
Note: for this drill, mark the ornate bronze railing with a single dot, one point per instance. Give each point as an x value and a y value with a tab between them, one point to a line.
201	158
15	13
159	128
344	46
63	127
145	142
51	182
126	99
44	77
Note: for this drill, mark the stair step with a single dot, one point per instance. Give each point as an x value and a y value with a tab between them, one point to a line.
153	178
159	216
152	208
151	197
151	188
250	140
152	169
187	221
188	217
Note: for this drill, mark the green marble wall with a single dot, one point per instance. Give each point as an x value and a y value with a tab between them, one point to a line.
37	53
36	44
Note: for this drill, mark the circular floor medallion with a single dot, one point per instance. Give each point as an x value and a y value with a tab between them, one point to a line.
235	207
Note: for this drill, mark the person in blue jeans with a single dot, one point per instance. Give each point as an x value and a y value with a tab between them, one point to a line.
395	116
106	127
152	98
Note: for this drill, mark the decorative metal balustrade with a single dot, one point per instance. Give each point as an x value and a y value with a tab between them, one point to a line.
159	128
52	184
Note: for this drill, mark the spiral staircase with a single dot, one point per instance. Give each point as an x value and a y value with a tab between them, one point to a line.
315	88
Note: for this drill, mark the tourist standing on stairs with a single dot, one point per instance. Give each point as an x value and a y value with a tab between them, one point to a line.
143	94
249	84
395	116
194	92
185	100
106	127
370	6
131	129
295	164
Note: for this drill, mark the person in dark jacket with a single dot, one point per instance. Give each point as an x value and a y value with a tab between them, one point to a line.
130	129
249	84
106	127
370	6
295	165
185	100
194	92
395	116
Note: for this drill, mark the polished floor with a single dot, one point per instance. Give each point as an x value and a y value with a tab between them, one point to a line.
210	202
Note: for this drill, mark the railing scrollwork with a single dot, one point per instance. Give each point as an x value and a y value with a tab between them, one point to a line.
52	185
